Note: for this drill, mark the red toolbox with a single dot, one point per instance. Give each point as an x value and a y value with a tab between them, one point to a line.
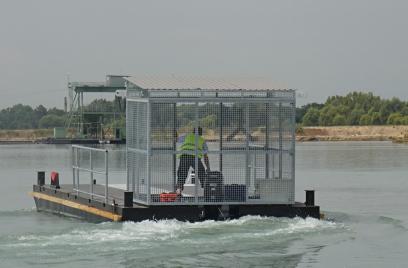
168	197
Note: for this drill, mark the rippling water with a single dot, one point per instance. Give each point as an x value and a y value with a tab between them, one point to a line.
361	186
244	242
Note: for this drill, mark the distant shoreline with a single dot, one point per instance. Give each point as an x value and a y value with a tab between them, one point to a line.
354	133
398	134
24	136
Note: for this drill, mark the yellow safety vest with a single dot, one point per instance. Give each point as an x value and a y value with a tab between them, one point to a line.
189	145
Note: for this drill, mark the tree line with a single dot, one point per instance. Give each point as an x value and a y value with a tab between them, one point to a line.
22	116
356	108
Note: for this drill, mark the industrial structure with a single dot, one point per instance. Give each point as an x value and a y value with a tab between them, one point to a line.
88	120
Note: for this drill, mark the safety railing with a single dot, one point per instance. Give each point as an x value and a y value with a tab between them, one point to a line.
77	167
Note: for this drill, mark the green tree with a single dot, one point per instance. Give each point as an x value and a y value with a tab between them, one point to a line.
376	119
395	119
365	120
18	117
51	120
39	112
56	111
354	117
100	105
327	115
404	110
404	120
339	120
301	112
355	105
311	118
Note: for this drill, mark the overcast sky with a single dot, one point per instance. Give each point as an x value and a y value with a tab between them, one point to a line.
320	47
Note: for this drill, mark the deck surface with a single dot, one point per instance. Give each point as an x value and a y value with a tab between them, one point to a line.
113	192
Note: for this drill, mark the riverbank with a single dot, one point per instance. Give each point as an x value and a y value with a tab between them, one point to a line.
24	135
353	133
340	133
46	136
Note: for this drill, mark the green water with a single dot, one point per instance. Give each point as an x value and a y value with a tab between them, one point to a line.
361	186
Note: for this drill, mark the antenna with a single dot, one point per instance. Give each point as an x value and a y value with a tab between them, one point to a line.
70	94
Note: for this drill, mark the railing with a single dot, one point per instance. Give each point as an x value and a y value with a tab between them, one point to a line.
76	168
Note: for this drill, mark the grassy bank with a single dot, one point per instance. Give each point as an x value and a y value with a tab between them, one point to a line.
340	133
353	133
25	134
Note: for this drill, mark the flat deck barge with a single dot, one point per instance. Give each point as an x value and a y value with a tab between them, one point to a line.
251	154
67	201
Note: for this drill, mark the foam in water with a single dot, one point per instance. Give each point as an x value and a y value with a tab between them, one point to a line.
163	230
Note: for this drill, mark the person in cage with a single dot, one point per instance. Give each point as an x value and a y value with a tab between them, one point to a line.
187	157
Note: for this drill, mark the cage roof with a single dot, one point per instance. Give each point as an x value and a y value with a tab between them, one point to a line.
205	83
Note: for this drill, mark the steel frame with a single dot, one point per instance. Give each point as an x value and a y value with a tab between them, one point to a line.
219	97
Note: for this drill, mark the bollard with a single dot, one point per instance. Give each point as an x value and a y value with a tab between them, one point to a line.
55	180
310	198
40	178
128	199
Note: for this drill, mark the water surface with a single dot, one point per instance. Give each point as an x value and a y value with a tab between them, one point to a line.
361	187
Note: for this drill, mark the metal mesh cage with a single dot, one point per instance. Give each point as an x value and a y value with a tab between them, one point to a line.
247	136
137	118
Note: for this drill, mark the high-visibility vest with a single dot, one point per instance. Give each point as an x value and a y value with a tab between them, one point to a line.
189	145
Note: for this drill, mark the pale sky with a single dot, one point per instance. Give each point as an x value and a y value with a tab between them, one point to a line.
320	47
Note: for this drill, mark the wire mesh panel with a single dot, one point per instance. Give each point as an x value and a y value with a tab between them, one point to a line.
278	186
209	147
233	125
137	175
163	159
137	149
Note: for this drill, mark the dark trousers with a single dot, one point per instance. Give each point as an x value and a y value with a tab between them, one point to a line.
187	161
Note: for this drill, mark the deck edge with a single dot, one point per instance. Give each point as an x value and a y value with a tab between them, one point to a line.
92	210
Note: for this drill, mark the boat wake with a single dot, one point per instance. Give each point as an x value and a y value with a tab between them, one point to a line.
248	239
248	227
